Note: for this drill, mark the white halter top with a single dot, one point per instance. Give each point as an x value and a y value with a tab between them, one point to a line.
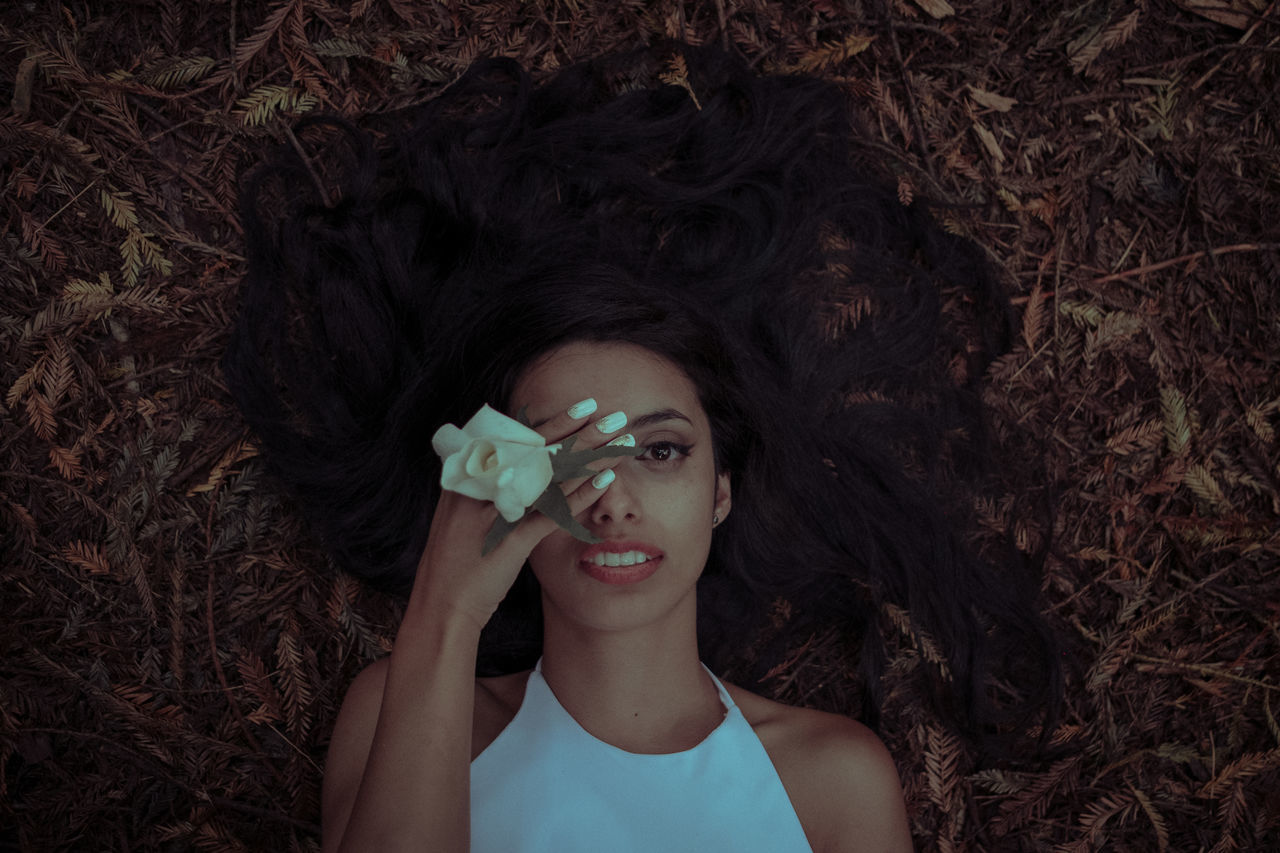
546	785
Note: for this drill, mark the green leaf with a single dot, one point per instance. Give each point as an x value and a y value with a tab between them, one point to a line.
553	505
501	527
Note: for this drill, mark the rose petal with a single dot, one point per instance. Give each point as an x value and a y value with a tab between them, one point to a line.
484	459
495	458
478	489
510	508
531	467
447	440
533	480
508	455
454	472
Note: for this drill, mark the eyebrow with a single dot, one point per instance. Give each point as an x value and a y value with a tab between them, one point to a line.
657	418
645	420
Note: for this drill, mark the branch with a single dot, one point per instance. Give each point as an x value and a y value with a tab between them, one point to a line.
1159	265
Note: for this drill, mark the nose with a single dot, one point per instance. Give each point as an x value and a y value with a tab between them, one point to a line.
617	504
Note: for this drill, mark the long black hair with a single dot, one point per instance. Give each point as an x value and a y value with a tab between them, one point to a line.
404	274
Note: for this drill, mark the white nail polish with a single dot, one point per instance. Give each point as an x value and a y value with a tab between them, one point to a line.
603	479
612	423
581	410
627	440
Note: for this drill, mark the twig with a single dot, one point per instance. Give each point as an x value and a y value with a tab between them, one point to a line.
77	492
1056	256
1159	265
1244	38
1124	256
1202	669
1188	58
928	28
236	84
319	770
937	194
1090	97
724	25
222	679
161	770
315	178
917	123
1009	384
43	225
265	814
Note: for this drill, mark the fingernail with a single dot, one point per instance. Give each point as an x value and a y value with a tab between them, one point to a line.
581	410
627	440
603	479
612	423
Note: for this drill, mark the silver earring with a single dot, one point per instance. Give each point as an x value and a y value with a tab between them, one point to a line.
715	519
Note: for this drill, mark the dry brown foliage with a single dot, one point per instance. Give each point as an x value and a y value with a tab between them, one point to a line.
174	653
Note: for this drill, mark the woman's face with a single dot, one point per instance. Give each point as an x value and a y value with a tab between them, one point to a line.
662	502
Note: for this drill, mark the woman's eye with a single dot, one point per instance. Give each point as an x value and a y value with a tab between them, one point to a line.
664	451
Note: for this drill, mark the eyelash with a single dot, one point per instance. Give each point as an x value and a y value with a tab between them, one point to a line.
681	449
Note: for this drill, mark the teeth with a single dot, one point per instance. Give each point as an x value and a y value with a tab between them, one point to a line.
627	558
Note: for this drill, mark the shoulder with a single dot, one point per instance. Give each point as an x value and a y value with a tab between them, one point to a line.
840	777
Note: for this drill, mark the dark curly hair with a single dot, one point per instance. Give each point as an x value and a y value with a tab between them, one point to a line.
727	226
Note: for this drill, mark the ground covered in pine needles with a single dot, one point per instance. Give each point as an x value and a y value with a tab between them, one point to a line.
174	649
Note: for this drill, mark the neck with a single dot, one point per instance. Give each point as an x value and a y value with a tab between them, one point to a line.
642	690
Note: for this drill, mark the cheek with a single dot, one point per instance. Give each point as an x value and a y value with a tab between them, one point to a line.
557	548
681	505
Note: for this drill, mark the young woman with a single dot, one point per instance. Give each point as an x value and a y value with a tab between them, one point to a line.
654	267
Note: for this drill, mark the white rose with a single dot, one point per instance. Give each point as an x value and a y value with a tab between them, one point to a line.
495	458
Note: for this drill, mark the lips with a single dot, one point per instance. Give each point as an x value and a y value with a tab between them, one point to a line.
620	562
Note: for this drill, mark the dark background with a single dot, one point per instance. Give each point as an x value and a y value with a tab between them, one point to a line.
172	648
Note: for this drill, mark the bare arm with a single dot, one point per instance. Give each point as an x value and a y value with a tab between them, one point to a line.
397	774
398	771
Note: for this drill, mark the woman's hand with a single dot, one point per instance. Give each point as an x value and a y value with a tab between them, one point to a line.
397	775
453	575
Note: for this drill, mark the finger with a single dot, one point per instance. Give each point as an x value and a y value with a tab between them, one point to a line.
584	497
596	433
623	442
600	433
583	422
558	427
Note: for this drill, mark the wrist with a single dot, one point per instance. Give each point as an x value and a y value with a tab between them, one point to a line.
443	618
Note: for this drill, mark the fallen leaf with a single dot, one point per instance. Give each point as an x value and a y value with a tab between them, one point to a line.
1233	13
936	8
989	142
22	83
991	100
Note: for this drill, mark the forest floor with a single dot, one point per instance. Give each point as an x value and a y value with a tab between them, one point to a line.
174	647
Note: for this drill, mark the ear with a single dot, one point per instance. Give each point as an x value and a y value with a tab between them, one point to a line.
724	500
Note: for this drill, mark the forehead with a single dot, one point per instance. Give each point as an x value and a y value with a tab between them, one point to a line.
621	377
